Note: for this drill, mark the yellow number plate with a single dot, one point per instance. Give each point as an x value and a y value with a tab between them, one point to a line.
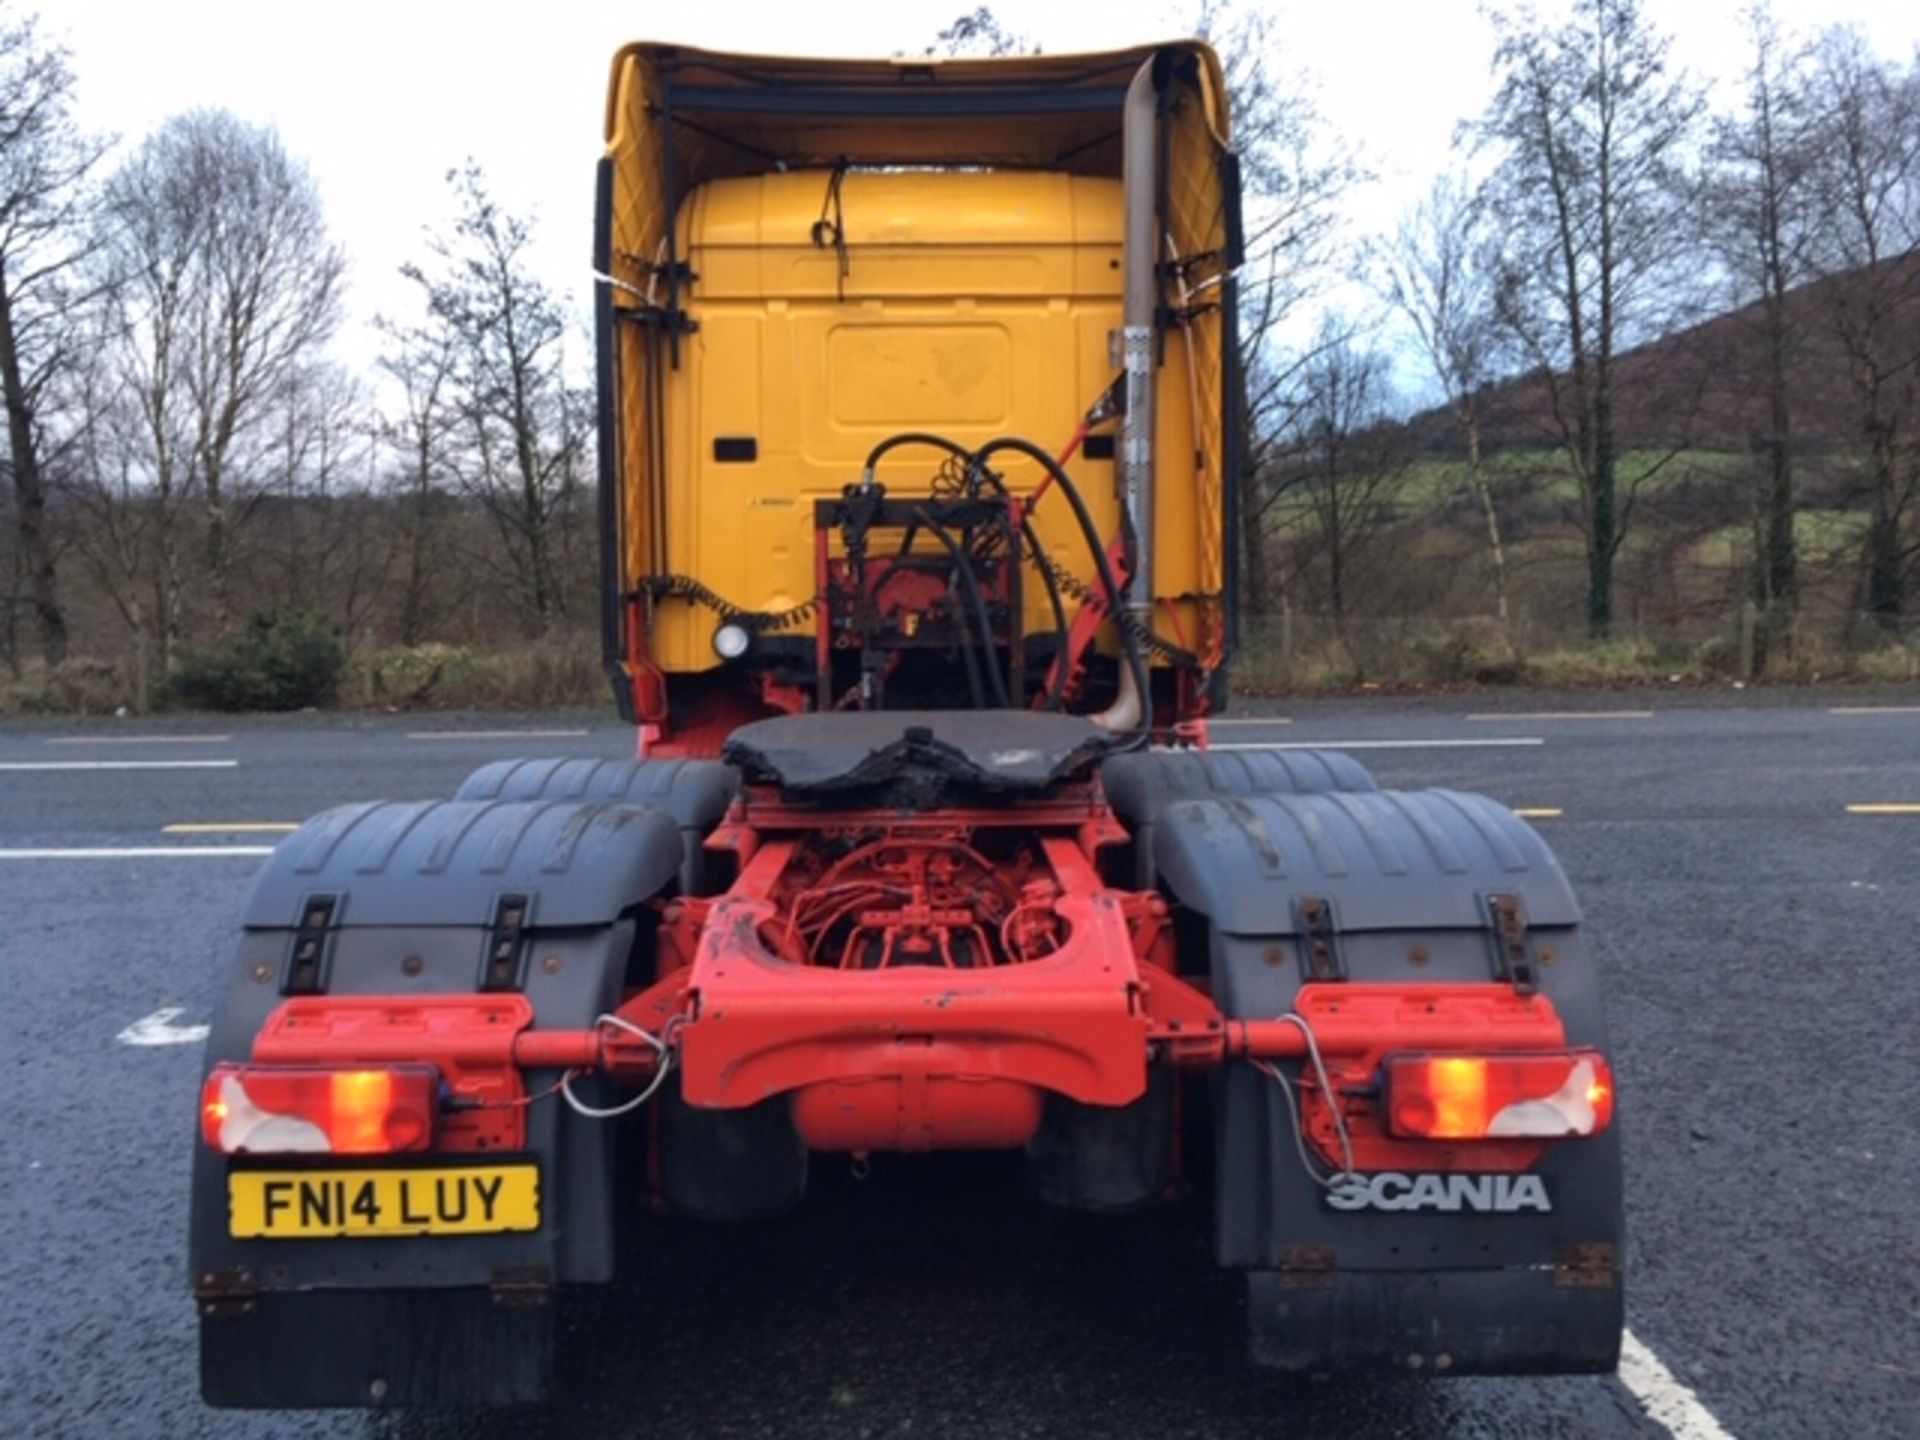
325	1204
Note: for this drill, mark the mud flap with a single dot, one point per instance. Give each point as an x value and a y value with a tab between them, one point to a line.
1433	1275
375	1348
731	1164
403	901
1103	1158
1454	1322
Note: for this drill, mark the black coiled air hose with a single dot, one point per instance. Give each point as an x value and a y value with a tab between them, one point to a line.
1062	630
1129	643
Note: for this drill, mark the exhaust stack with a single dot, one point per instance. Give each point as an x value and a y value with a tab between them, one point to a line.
1139	189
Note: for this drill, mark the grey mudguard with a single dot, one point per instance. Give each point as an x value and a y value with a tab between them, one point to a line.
442	862
415	889
695	793
1140	787
1406	878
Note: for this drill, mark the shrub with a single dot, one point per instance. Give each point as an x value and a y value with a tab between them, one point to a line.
77	686
1601	662
280	660
404	675
550	676
1890	663
1475	650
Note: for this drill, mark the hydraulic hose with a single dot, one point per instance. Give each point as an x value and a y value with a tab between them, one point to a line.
1063	630
971	585
1129	643
912	437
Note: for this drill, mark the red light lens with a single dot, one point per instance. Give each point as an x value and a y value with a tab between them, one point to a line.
338	1110
1495	1097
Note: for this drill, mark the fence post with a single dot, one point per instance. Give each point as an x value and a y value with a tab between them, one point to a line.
1749	622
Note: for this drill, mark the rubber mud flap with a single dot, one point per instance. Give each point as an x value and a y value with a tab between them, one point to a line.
1434	1322
1107	1159
731	1164
375	1348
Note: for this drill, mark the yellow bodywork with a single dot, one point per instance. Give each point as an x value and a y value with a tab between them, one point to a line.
967	282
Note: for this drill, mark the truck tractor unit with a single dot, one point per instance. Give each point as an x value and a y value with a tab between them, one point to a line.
920	437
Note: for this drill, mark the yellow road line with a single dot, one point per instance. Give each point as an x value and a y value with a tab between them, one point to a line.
1538	812
1496	717
231	827
1884	809
1874	710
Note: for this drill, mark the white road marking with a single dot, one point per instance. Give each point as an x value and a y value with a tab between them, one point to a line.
231	827
1874	710
1663	1397
1538	812
159	1029
1884	809
1496	717
137	739
118	764
494	734
1504	740
139	852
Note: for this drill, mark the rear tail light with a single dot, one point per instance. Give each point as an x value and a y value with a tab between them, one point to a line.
307	1109
1498	1097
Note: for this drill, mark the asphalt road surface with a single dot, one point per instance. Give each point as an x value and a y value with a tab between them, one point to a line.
1764	995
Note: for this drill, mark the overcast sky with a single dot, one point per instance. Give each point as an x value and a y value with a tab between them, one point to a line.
381	99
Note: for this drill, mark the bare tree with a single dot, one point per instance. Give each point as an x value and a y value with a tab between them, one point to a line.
1760	209
1439	273
45	161
980	32
1867	179
313	478
1590	130
127	525
520	451
141	448
420	361
229	284
1340	469
1295	173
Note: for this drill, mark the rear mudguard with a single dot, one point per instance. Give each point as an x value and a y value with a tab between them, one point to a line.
695	793
1142	785
1406	879
414	890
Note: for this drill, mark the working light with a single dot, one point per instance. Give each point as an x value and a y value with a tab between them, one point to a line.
1496	1097
306	1109
730	641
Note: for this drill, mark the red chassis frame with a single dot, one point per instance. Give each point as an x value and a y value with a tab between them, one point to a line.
928	1055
